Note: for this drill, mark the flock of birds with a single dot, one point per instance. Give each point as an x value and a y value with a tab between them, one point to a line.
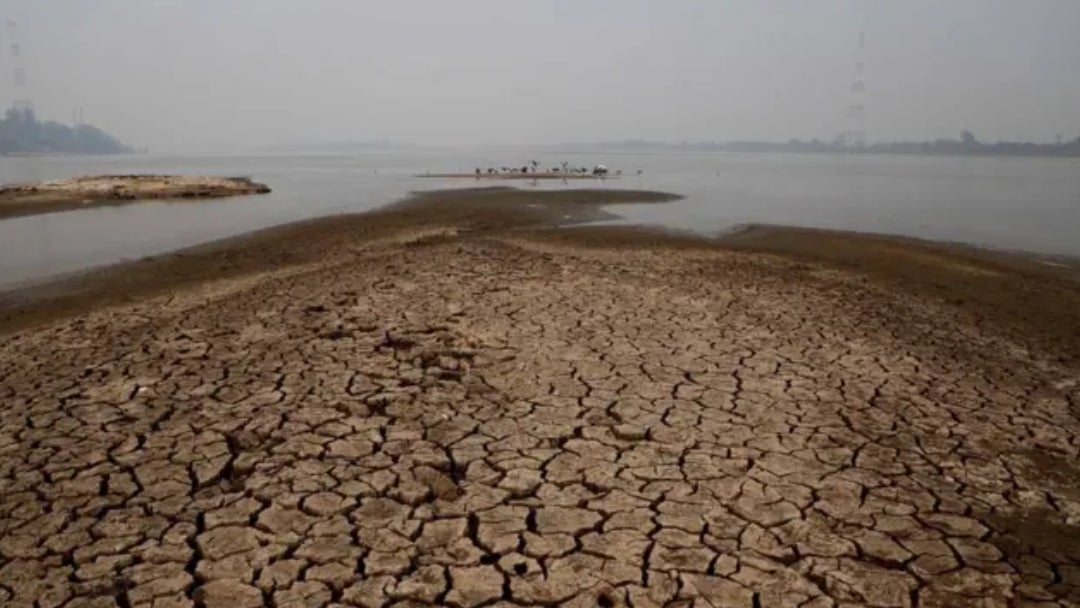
534	167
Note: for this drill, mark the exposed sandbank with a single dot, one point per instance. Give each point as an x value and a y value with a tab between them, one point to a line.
96	191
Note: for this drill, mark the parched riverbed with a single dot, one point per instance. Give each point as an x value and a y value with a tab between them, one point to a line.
447	402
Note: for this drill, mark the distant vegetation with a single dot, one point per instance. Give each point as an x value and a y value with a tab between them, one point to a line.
22	133
967	145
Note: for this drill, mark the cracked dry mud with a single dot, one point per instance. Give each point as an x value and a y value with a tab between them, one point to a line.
516	418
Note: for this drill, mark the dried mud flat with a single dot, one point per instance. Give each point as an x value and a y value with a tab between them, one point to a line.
446	403
101	190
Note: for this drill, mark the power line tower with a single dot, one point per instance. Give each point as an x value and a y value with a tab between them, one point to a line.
21	101
854	135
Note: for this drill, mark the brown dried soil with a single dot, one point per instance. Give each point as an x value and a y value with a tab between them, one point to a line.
448	402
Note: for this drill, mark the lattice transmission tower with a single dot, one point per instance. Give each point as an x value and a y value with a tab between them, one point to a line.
20	87
854	135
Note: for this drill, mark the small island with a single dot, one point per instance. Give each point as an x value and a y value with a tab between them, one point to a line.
513	175
95	191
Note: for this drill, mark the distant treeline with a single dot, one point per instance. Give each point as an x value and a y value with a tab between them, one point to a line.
968	144
22	133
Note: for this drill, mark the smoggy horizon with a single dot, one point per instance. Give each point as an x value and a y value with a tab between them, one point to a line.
175	75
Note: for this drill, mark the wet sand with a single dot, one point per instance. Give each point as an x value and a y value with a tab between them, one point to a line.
447	402
109	190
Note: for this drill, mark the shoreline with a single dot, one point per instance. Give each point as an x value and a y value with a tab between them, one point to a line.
475	396
238	254
901	261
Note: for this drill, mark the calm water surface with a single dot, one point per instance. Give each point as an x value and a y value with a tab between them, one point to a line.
1008	203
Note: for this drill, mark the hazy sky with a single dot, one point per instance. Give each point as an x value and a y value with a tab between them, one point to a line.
173	74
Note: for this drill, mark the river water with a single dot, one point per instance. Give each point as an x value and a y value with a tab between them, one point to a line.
1023	204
